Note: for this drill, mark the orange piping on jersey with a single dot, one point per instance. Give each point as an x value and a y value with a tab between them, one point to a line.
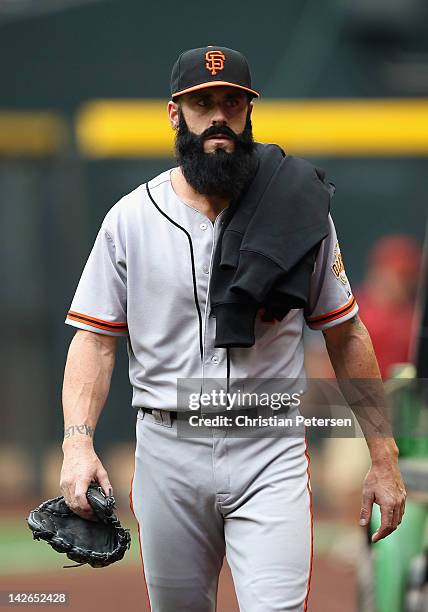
327	315
103	327
338	316
312	525
103	321
334	314
131	505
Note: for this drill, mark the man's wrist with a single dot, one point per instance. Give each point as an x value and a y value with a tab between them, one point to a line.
383	450
78	435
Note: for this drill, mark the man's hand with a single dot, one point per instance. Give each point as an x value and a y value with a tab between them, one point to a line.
384	486
81	465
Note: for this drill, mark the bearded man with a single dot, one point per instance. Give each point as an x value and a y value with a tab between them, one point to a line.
149	278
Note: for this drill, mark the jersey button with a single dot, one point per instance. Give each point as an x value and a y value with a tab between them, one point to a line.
205	269
215	359
203	226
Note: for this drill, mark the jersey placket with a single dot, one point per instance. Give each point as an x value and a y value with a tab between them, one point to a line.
214	359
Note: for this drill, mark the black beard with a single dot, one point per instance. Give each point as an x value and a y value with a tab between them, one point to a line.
218	173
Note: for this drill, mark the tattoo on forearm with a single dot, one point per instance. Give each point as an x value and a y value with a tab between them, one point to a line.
72	430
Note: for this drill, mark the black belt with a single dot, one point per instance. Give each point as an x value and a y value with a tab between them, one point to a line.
172	413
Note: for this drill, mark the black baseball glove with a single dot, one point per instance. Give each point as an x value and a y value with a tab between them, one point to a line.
98	543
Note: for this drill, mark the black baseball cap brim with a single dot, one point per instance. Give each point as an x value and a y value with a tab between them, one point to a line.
215	84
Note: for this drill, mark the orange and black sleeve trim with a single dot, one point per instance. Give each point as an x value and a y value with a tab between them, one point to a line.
99	323
333	315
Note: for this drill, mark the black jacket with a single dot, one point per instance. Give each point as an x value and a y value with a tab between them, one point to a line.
266	250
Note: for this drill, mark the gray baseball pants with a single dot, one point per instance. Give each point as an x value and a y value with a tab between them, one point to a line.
198	499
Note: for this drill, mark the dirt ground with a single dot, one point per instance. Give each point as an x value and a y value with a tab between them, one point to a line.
122	588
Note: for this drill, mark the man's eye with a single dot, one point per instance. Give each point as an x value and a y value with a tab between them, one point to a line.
233	102
201	102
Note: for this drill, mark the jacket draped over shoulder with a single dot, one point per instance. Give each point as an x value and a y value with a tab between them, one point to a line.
266	252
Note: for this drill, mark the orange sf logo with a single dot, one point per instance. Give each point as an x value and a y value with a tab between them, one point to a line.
214	61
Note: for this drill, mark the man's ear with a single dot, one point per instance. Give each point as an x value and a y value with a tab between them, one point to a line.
173	114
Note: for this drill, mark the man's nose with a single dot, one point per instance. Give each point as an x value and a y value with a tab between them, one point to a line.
219	116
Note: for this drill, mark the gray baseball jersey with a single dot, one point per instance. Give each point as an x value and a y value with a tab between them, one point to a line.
147	278
197	500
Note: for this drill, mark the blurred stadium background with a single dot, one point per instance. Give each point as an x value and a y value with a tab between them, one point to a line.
83	93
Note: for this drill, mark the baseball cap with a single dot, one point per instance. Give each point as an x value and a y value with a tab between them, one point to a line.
208	67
